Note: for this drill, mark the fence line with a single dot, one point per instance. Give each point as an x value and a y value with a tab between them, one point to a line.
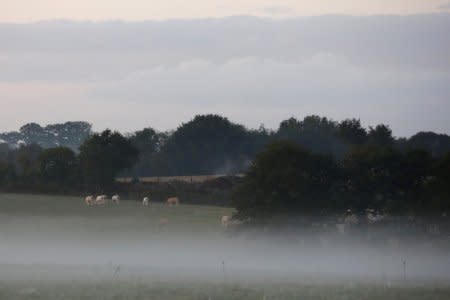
163	179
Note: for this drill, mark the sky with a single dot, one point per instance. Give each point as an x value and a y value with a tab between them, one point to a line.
26	10
126	65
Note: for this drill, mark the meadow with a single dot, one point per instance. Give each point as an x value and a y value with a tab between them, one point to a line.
55	247
129	216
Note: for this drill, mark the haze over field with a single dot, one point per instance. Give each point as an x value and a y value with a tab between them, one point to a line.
53	231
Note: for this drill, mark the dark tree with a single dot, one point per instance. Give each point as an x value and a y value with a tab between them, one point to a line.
352	132
439	186
437	144
103	156
381	135
315	133
58	165
285	179
384	178
26	162
7	170
207	144
147	141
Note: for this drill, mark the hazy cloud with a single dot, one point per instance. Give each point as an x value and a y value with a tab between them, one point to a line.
83	50
444	6
277	10
381	69
255	90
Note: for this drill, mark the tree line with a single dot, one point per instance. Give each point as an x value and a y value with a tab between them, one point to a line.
68	134
333	164
211	144
288	180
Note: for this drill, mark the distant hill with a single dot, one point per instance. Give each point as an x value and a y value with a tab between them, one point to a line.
69	134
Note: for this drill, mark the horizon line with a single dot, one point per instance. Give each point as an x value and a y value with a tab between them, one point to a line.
206	18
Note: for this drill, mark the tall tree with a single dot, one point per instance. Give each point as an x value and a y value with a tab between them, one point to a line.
381	135
384	178
439	188
207	144
437	144
149	143
285	179
58	165
104	155
351	131
26	161
315	133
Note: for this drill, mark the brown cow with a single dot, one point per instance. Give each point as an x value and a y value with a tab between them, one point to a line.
173	201
225	221
162	223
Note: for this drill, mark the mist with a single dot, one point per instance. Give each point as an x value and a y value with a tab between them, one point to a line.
50	243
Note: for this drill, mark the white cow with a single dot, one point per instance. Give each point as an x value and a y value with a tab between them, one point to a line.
89	200
351	219
225	221
145	201
100	200
373	217
115	199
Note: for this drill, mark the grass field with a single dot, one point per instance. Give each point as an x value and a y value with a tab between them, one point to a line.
54	247
49	213
139	288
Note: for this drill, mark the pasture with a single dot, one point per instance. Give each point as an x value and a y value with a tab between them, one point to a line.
49	213
55	247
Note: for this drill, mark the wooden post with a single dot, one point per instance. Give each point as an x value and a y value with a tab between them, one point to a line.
404	269
223	270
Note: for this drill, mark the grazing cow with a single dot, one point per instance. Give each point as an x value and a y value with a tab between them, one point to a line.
373	216
145	201
173	201
225	221
351	219
89	200
162	223
100	200
115	199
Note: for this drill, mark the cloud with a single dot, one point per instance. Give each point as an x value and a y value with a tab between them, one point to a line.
96	51
444	6
253	90
130	75
277	10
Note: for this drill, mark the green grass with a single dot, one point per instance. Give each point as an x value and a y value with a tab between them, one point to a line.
49	213
141	289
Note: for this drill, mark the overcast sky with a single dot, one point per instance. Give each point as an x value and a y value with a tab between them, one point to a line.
127	74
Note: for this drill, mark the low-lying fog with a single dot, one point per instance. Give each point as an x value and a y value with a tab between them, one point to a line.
69	241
